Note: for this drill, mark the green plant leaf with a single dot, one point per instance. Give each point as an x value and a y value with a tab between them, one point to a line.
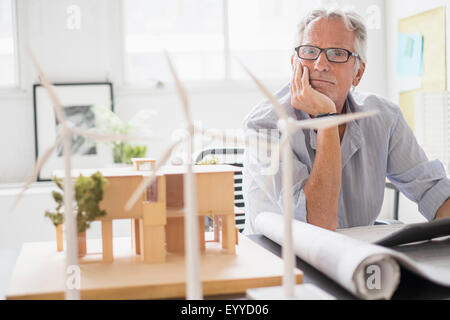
89	193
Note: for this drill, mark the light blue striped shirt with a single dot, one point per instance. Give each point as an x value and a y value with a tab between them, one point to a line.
371	150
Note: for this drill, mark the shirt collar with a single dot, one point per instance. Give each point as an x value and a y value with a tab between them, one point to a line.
353	138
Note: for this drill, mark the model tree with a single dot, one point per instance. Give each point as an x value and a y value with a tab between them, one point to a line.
88	194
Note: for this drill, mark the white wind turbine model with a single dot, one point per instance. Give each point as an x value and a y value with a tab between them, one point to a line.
67	131
289	126
193	279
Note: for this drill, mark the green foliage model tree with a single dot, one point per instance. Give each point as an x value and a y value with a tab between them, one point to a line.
88	194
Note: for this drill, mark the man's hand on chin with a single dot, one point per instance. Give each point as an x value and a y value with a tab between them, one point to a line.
304	97
444	210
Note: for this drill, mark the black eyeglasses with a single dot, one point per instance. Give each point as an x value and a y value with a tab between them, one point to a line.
337	55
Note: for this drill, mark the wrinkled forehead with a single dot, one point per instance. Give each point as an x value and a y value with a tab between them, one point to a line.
328	33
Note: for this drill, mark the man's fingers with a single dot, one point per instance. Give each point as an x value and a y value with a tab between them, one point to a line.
294	68
305	77
293	86
298	74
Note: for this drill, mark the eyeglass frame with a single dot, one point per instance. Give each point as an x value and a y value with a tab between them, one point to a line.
350	54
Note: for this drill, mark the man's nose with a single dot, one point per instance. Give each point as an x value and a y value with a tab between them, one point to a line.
322	63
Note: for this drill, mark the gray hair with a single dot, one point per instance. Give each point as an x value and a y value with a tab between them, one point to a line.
352	20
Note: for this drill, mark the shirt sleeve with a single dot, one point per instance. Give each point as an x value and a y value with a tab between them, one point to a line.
262	187
408	168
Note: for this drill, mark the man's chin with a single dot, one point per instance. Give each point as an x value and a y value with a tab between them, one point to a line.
323	91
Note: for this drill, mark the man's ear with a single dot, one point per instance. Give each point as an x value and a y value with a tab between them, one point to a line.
292	61
359	73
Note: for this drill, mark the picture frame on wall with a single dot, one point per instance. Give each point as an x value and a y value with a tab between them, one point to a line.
78	101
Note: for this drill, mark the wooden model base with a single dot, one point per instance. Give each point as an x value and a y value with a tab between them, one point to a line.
39	272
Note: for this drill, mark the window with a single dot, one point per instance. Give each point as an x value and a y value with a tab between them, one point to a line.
191	30
203	36
261	35
7	50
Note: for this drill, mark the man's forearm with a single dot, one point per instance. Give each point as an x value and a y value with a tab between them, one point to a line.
324	183
444	210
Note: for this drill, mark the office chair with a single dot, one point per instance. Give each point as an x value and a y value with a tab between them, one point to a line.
238	196
389	185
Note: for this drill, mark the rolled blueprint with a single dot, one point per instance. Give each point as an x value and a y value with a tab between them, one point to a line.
368	271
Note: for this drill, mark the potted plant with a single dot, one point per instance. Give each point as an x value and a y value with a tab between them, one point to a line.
109	122
88	194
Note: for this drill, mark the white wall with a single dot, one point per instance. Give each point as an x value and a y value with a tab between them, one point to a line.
374	79
94	53
394	11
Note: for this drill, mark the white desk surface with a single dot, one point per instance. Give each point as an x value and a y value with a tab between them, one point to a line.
8	259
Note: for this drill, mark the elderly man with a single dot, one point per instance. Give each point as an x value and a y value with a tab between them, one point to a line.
339	173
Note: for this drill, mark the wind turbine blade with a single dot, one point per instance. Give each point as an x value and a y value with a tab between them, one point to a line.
221	135
276	104
105	137
181	92
284	141
150	179
326	122
274	149
268	180
47	84
40	162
